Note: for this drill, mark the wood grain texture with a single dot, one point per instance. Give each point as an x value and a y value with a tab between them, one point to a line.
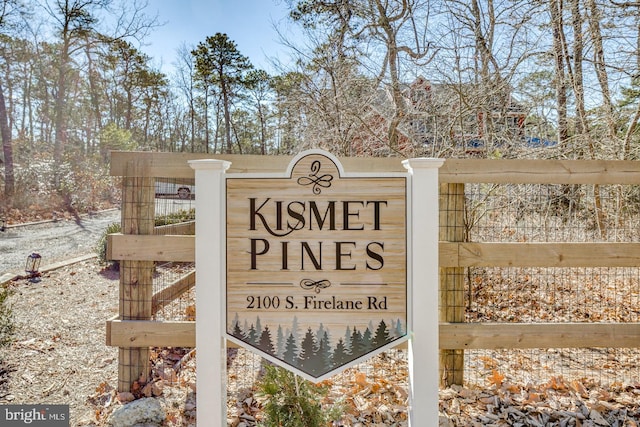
175	165
506	171
345	235
464	336
598	254
147	333
539	335
151	247
526	171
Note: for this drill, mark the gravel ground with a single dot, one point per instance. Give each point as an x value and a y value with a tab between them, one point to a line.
55	241
59	354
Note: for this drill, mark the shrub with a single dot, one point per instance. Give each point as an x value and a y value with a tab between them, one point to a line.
101	246
294	402
175	217
73	185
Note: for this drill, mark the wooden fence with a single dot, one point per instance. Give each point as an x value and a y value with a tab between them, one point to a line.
140	245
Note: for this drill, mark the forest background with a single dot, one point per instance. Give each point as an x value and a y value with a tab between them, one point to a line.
407	78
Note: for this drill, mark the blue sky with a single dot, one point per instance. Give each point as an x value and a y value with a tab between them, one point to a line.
247	22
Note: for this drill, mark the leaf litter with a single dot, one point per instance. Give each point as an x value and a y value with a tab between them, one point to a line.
59	356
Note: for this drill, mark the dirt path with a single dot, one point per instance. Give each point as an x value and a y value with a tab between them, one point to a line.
54	241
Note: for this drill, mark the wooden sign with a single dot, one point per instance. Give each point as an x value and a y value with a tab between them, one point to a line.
316	264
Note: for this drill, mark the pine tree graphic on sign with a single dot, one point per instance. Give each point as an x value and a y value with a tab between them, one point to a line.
315	353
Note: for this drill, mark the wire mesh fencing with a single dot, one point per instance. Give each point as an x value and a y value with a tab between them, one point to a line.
551	213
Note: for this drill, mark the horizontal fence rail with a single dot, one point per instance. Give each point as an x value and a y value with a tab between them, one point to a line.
461	336
599	254
509	171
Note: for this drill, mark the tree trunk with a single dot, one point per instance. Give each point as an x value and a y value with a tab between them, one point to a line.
192	117
601	67
60	103
29	99
7	148
93	123
396	91
399	113
578	84
263	129
555	9
227	115
206	123
490	82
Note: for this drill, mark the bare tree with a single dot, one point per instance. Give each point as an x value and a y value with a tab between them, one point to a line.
259	85
185	78
372	38
485	45
631	94
387	22
7	149
600	63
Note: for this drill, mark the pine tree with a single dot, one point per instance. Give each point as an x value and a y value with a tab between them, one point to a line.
316	365
294	329
219	63
398	331
382	335
367	344
265	344
293	402
252	335
290	354
307	348
258	326
340	354
347	339
236	321
324	352
357	346
237	331
320	332
280	342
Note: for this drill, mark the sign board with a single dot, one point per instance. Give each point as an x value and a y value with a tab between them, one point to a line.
316	264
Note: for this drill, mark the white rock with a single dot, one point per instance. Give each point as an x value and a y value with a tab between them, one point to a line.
147	412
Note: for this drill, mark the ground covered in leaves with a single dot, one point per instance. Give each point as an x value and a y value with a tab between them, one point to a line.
59	356
555	403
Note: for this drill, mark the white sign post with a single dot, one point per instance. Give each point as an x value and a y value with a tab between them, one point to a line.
423	344
422	272
211	357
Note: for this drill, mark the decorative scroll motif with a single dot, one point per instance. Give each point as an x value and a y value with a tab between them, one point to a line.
316	181
317	286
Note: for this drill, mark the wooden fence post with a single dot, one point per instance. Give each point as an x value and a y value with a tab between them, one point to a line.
136	277
452	229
